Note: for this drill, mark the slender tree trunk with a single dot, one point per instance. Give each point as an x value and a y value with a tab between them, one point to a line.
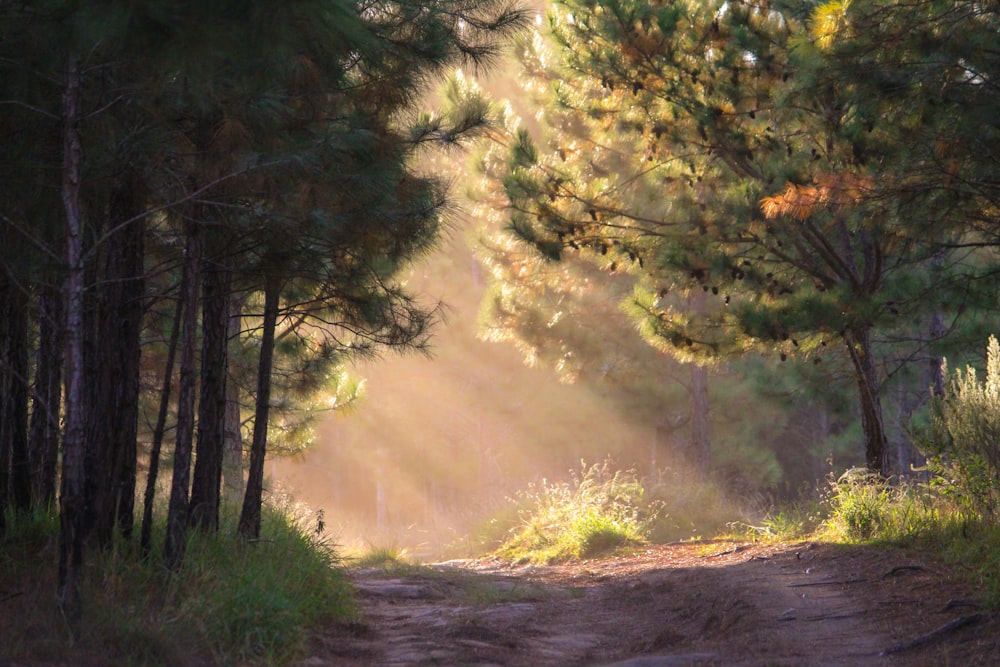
146	531
207	481
701	454
15	479
232	454
935	370
131	312
177	515
249	526
115	386
43	430
6	388
859	348
71	500
700	444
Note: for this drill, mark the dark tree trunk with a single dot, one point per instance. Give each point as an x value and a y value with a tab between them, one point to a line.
15	479
177	513
249	526
71	499
115	389
6	389
207	480
43	431
146	531
859	347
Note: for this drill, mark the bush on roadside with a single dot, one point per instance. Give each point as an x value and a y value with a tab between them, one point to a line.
599	510
963	441
230	603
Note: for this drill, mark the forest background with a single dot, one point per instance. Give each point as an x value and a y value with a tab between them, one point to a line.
748	232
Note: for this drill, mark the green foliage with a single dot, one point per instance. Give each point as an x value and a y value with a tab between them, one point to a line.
963	441
384	557
865	507
665	139
231	602
976	545
600	510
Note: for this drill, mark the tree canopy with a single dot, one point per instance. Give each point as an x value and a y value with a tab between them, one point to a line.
238	178
741	159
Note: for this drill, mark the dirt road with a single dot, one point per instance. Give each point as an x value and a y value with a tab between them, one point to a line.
709	604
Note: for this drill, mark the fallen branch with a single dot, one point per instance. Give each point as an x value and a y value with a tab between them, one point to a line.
934	635
11	596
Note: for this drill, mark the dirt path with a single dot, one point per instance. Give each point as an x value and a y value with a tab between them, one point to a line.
692	604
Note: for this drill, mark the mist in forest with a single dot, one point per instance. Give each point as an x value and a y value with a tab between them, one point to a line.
440	443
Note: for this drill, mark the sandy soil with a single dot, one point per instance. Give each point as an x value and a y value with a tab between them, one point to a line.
718	603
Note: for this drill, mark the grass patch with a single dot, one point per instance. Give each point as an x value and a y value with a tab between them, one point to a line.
869	510
380	557
600	510
231	602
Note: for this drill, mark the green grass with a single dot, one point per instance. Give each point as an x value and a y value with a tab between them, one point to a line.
599	511
867	510
231	603
390	558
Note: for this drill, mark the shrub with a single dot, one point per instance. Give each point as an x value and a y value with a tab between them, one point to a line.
963	443
601	509
230	603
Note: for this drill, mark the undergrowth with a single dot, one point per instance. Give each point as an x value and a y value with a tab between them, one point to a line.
231	603
601	509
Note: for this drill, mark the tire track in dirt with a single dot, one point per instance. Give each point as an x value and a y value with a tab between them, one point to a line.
707	604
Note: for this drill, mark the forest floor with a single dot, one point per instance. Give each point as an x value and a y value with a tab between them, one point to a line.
704	604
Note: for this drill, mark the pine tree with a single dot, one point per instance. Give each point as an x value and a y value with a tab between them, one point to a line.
701	145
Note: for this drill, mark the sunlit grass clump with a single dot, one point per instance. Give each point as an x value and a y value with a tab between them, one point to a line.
598	511
864	508
383	557
231	602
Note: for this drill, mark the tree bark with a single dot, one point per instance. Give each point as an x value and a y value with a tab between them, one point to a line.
232	453
15	478
700	445
177	514
207	481
701	455
859	348
117	349
146	530
46	399
71	499
249	526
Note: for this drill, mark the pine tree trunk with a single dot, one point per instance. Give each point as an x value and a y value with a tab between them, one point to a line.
700	445
250	517
46	400
15	480
859	348
71	499
207	480
115	386
177	513
6	389
149	498
131	311
232	453
701	454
